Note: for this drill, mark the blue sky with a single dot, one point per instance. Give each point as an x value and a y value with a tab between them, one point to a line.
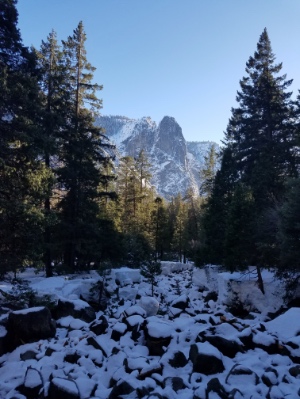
181	58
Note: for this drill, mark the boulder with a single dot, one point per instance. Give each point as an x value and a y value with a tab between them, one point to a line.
215	386
62	388
29	325
241	375
181	302
76	308
226	347
99	326
206	359
120	390
178	360
158	334
176	383
150	305
118	331
33	384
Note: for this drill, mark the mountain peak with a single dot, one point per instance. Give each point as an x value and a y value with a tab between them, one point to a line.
175	163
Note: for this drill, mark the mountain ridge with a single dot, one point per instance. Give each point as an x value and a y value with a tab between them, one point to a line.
176	163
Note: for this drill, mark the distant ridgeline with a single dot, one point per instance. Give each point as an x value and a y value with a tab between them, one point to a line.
176	163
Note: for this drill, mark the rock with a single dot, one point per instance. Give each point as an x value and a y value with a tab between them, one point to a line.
214	385
275	393
158	335
179	360
180	303
127	293
225	346
3	340
235	394
118	331
206	359
135	310
120	390
211	296
28	355
134	321
270	377
176	383
77	308
241	375
99	326
33	384
150	305
29	325
295	371
62	388
72	357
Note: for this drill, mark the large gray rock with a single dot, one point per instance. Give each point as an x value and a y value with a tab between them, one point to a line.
29	325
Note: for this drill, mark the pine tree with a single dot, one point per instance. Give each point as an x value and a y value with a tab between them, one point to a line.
261	130
261	139
215	211
22	174
54	118
289	229
83	155
209	171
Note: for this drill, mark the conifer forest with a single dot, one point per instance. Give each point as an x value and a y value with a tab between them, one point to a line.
67	204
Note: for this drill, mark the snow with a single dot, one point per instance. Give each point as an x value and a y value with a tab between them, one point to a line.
98	368
29	310
287	325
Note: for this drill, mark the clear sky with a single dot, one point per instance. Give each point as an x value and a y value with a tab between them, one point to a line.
181	58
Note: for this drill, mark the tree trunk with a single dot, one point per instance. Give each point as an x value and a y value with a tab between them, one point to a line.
260	282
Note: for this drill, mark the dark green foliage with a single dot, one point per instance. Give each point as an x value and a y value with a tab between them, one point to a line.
23	178
241	216
21	296
136	250
82	156
209	171
289	231
238	242
215	212
150	269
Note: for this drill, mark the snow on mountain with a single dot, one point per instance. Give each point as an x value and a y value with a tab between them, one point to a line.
175	162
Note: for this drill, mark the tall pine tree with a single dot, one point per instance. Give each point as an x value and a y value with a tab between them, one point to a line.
22	174
83	155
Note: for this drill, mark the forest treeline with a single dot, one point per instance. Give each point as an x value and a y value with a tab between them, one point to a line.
66	204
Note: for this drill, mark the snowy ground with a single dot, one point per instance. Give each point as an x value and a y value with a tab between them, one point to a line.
184	321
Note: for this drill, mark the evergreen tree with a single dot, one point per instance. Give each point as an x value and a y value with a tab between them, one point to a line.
289	231
83	155
150	269
261	130
261	140
215	212
22	175
238	240
54	112
209	171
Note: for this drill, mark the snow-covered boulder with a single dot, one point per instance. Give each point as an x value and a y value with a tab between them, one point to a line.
126	276
29	325
76	308
150	305
206	359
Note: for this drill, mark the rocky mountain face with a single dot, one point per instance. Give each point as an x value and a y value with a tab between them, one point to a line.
175	162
